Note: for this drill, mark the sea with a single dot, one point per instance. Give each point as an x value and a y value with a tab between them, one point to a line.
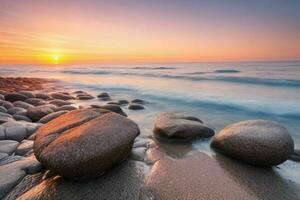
219	93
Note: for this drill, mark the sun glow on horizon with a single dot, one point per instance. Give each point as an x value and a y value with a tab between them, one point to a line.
60	32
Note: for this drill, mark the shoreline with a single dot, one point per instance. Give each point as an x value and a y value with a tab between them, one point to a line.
154	169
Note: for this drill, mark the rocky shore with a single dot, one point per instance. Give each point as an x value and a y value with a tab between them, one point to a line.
74	145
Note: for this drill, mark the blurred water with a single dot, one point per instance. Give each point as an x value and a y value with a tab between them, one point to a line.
218	93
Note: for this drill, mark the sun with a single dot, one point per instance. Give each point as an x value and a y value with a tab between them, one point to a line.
56	59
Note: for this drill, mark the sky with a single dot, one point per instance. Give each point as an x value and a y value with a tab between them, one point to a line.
124	31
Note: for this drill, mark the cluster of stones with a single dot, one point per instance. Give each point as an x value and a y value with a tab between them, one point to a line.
92	139
39	130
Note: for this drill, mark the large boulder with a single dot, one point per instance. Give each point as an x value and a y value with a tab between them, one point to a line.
179	126
257	142
15	110
12	97
27	94
85	142
36	113
6	104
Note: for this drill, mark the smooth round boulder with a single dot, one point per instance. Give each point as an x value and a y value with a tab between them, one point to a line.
257	142
59	102
22	104
138	101
179	126
85	142
15	110
42	96
35	101
103	95
66	107
61	96
27	94
3	109
12	97
36	113
135	106
85	97
6	104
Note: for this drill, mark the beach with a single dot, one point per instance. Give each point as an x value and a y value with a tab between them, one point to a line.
155	167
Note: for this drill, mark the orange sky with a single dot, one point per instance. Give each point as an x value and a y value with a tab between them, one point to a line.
43	32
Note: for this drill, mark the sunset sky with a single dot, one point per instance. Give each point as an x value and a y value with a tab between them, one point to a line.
94	31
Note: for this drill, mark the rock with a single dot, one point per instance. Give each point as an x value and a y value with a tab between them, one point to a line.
138	154
4	117
85	97
113	108
17	130
15	110
103	94
51	116
35	101
12	97
3	156
79	92
59	102
2	97
22	118
22	104
138	101
3	109
106	137
257	142
8	146
6	104
38	112
122	182
134	106
61	96
66	107
24	147
123	102
11	174
296	155
27	94
3	92
179	126
42	96
119	102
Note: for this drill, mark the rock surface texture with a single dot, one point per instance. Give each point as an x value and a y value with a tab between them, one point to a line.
179	126
257	142
85	142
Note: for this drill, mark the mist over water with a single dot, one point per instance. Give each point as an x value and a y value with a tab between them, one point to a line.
218	93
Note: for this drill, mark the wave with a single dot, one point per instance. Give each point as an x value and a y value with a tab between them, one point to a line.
232	79
154	68
192	101
227	71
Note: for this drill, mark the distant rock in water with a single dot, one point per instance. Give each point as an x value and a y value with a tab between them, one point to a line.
257	142
227	71
135	106
179	126
85	143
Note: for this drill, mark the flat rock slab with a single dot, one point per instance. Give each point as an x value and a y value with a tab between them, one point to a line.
13	172
24	147
17	130
8	146
122	182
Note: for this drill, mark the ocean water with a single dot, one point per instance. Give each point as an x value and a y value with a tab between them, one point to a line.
218	93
